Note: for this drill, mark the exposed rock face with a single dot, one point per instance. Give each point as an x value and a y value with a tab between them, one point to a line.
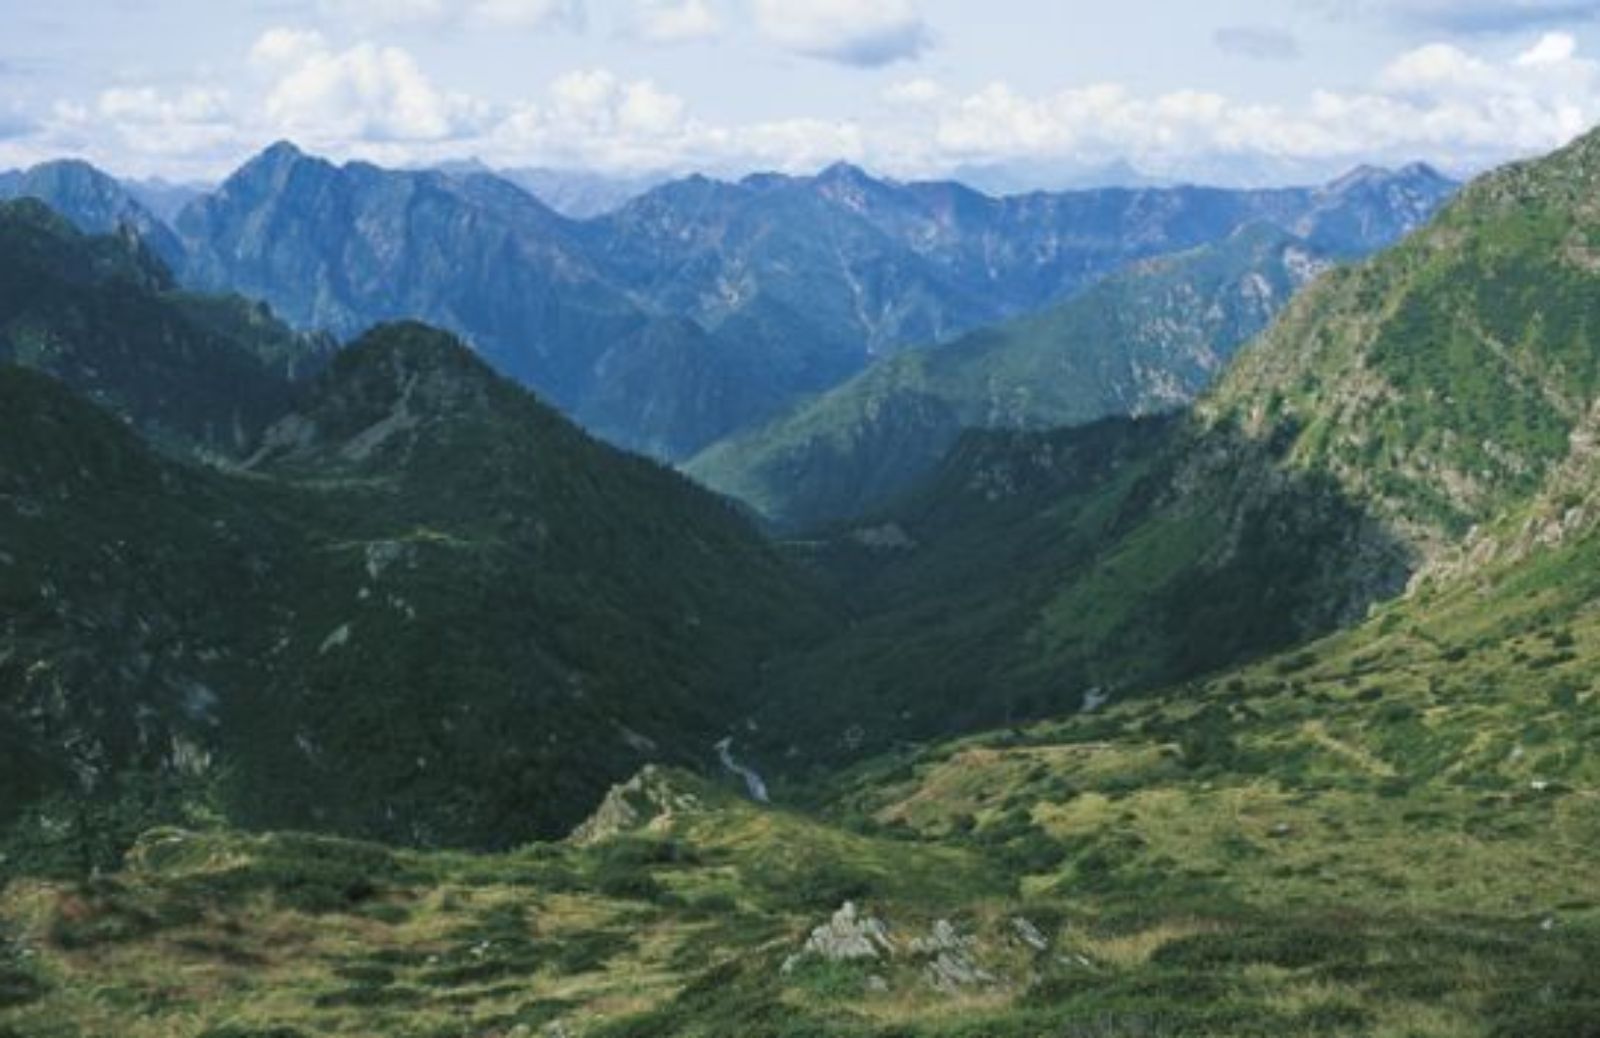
1029	934
94	202
947	957
647	801
951	965
849	936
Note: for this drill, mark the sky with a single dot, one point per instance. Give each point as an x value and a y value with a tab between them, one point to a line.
1017	93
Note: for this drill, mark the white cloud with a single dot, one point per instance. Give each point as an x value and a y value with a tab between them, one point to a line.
867	33
282	46
676	21
159	122
1437	102
644	109
1458	106
367	92
1554	48
592	118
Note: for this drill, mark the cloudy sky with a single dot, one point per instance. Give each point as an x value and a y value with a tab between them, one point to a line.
1022	91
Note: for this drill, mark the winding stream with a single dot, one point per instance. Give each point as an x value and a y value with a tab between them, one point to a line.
752	781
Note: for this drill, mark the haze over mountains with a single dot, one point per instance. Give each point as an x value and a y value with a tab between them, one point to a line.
700	308
1146	339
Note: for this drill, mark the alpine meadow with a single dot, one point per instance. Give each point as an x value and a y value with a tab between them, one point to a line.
820	519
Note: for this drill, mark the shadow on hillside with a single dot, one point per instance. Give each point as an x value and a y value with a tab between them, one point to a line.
1035	568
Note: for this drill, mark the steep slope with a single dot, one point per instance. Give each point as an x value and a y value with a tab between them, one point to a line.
858	267
102	314
93	201
1444	381
702	308
341	248
1395	405
432	610
1147	339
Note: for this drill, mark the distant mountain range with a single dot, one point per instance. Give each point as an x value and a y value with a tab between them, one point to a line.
700	308
1144	340
93	201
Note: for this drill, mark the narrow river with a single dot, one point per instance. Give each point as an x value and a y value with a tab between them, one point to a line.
752	781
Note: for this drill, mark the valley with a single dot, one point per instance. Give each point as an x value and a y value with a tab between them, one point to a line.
1189	631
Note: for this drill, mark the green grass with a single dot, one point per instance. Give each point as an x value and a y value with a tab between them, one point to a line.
1386	833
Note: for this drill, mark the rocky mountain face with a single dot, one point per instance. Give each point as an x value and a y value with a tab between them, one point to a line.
862	267
701	307
94	202
1141	341
421	606
344	247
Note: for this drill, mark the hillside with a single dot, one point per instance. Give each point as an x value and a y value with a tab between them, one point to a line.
430	610
103	315
1322	843
1446	380
1394	406
1145	340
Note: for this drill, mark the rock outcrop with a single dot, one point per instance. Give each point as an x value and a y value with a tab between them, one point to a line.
646	802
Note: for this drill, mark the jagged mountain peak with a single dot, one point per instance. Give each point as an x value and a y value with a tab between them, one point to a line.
1415	175
273	163
281	151
846	173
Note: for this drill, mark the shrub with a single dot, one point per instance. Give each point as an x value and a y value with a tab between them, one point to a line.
815	884
627	882
1289	948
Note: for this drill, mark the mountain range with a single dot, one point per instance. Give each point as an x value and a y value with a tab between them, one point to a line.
701	307
1144	340
1434	394
409	707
